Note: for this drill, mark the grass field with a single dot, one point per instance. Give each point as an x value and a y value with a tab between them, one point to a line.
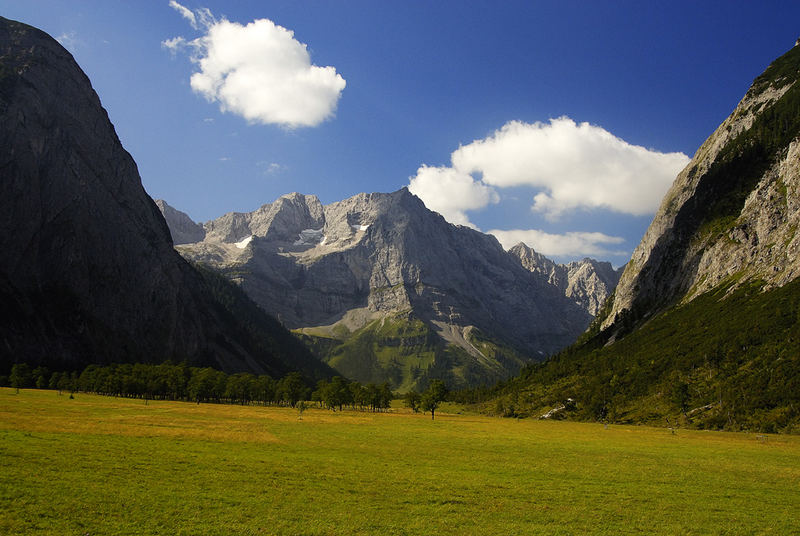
97	465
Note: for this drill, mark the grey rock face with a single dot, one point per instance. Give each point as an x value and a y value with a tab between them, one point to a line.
586	282
354	261
181	226
688	251
88	272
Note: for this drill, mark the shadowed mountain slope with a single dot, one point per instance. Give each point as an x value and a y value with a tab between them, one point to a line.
88	272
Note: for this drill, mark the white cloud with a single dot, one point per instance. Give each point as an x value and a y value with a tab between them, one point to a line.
270	168
450	193
565	167
568	166
574	244
572	166
259	71
174	45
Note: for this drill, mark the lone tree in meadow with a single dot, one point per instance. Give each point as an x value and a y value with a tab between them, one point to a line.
434	396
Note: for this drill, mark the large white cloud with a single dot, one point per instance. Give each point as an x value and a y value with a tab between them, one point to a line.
573	244
258	71
572	166
567	166
450	193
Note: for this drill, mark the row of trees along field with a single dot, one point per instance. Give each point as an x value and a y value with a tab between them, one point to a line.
169	381
166	381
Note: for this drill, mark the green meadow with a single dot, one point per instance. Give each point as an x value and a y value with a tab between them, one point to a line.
99	465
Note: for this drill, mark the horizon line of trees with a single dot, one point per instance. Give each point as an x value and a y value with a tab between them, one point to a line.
169	381
165	381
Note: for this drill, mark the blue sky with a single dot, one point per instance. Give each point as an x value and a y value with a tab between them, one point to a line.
561	121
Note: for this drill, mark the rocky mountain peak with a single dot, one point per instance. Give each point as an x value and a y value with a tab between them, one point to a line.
587	282
336	269
181	226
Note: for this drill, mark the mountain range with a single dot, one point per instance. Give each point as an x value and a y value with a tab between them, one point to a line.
382	288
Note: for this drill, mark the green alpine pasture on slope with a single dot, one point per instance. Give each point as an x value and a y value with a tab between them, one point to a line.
100	465
408	353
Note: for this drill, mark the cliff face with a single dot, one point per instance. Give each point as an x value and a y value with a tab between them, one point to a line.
333	270
732	214
88	271
587	282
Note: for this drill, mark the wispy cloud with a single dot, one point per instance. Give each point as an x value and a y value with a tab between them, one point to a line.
258	71
69	40
185	12
270	168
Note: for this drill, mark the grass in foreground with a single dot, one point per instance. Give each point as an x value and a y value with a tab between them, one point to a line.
97	465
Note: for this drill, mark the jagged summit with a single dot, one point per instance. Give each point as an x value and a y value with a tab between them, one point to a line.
181	226
587	282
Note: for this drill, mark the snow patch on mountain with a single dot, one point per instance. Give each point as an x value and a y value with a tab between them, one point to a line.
243	243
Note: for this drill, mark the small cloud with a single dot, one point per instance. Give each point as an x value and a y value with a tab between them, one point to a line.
224	158
69	40
174	45
208	120
571	244
450	193
271	168
258	71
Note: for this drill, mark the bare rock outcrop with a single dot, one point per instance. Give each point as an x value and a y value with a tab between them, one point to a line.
182	228
587	282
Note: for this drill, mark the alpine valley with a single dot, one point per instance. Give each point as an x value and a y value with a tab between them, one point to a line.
701	329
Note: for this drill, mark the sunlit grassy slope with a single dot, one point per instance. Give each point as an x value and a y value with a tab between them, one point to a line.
97	465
